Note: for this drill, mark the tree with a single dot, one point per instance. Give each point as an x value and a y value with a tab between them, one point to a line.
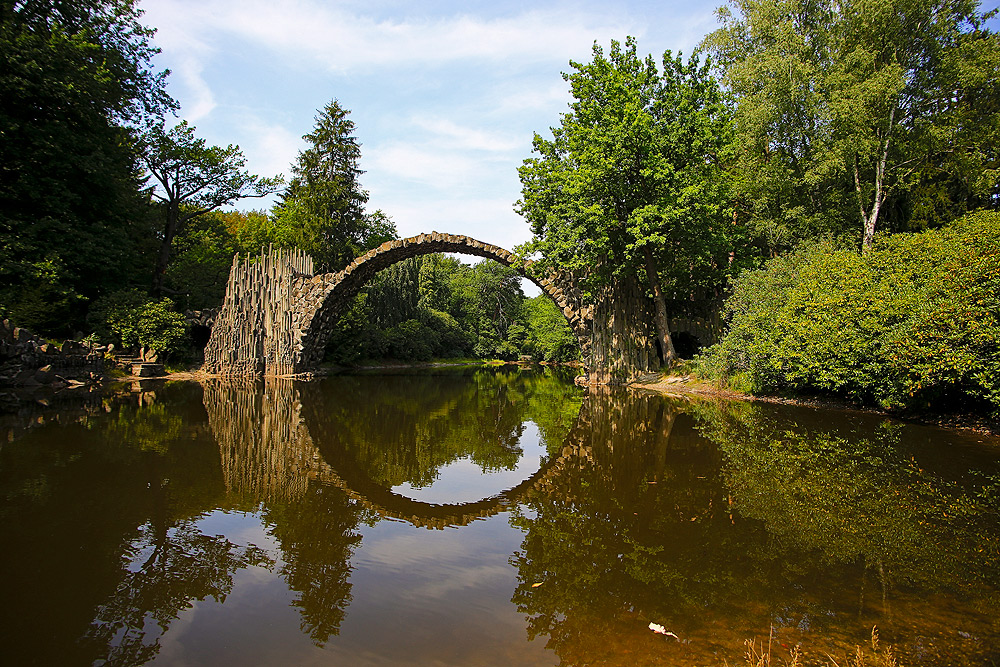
74	78
193	179
846	108
630	186
324	201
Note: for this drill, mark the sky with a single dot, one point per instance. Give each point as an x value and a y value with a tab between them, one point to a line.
445	95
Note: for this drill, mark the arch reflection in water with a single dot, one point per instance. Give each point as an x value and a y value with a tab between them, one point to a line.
276	435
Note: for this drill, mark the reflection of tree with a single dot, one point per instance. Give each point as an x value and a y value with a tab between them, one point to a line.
864	498
84	568
318	534
269	461
167	569
718	538
404	428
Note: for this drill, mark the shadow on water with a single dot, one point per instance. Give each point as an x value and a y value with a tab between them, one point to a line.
718	520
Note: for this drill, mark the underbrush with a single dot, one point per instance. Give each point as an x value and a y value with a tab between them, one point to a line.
913	323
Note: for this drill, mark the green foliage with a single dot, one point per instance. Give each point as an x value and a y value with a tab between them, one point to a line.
202	257
912	323
548	335
322	210
74	78
435	306
859	115
130	319
191	179
631	183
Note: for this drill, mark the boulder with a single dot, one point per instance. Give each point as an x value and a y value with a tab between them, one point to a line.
151	356
45	375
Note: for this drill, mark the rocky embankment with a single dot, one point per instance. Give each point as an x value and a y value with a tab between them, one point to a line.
29	361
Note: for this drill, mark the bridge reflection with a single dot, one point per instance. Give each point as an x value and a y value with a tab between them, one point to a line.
276	435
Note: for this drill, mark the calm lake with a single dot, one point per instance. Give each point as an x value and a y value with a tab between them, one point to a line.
484	517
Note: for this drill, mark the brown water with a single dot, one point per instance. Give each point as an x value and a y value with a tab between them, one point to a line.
484	517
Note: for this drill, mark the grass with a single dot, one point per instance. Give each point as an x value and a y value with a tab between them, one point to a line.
761	656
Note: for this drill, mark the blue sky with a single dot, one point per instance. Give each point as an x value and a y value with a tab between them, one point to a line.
445	95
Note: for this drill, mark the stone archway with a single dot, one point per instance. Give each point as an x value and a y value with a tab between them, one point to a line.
277	316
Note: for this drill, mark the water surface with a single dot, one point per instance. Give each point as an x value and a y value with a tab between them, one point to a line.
484	517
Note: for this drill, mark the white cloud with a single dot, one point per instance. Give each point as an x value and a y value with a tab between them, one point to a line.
270	148
454	136
426	164
342	41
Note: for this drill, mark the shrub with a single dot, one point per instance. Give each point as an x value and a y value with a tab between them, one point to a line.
130	318
911	323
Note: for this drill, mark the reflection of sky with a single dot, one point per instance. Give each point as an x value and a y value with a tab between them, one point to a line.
418	597
464	481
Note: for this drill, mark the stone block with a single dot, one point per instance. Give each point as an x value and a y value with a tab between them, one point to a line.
147	370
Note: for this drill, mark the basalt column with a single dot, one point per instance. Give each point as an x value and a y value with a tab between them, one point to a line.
254	334
623	342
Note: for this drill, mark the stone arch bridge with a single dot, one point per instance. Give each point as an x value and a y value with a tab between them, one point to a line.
277	315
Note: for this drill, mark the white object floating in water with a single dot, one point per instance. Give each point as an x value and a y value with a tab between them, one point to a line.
660	630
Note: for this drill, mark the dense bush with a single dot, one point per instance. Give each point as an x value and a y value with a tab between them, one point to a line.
130	318
914	322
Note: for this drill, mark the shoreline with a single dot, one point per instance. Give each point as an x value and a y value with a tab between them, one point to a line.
678	386
687	386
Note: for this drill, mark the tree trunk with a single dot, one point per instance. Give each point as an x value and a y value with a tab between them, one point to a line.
163	258
662	327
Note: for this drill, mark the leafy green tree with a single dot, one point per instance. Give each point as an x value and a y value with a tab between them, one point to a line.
487	300
549	337
631	183
192	179
74	77
131	319
849	113
324	203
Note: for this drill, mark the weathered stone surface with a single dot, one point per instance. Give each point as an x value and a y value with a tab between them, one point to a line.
269	326
147	370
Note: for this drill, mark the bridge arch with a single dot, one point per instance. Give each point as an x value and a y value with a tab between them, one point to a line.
330	294
277	316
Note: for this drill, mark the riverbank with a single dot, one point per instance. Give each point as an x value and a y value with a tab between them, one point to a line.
688	385
668	385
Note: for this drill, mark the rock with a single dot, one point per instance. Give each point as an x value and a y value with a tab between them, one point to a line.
145	370
151	356
70	346
44	375
21	335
